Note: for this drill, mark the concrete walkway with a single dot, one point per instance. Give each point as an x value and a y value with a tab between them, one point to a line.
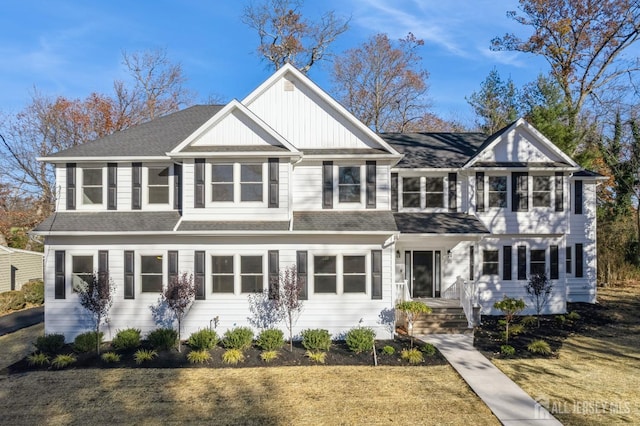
508	402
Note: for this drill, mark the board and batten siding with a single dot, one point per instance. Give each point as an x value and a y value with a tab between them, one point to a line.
304	119
234	129
336	312
519	146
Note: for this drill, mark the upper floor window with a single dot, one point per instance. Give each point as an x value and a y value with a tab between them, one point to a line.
349	184
411	192
251	182
92	186
541	191
497	191
434	195
158	183
222	182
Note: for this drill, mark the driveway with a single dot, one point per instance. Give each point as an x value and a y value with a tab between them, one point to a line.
21	319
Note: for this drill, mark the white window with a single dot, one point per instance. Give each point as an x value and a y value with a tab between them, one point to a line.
251	182
151	274
324	274
222	182
490	262
497	191
222	274
354	277
411	192
434	195
541	191
82	271
251	275
91	186
158	184
349	184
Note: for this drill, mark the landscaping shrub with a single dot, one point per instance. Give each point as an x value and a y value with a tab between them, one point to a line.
318	357
50	343
360	339
232	356
388	350
413	356
514	329
11	301
33	292
529	321
163	338
539	347
316	340
270	340
561	319
62	361
268	356
87	342
110	357
144	355
126	339
238	338
573	316
199	356
203	339
38	359
428	349
508	350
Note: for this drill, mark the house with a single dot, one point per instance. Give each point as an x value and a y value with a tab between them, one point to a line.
18	267
287	176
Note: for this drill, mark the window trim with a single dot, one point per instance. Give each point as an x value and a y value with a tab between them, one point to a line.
140	274
362	274
241	182
368	256
490	264
80	204
490	191
214	183
263	271
148	184
537	262
212	273
75	276
446	194
549	192
356	186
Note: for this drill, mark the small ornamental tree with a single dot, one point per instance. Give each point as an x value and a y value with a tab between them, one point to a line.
411	309
510	307
539	290
96	296
178	296
288	298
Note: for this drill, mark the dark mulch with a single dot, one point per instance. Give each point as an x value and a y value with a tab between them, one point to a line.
488	337
339	354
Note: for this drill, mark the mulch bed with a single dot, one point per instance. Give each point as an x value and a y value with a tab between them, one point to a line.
488	337
339	354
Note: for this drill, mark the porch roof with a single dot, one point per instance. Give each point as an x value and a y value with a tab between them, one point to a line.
344	221
439	223
96	222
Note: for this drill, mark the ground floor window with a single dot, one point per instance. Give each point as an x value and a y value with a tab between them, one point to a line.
251	274
151	274
324	276
82	270
354	277
222	278
537	263
490	262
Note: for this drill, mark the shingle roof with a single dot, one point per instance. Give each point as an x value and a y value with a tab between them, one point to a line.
588	173
427	150
233	226
153	138
439	223
361	221
529	164
109	222
235	148
345	151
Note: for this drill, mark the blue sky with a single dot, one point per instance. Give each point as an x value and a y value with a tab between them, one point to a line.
72	48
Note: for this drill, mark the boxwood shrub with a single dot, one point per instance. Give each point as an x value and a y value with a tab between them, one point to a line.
163	338
238	338
360	339
126	339
316	339
87	342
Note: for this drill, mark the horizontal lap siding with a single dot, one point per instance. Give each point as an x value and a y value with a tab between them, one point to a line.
583	231
307	187
124	186
337	313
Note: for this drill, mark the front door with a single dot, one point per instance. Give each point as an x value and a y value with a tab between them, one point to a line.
422	274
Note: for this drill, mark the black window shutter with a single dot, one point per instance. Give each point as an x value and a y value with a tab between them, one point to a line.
394	192
301	265
376	274
471	264
371	184
327	184
198	196
177	187
453	192
553	254
506	263
60	285
579	260
479	191
519	192
199	274
274	274
522	262
173	266
71	187
103	263
136	190
559	192
129	287
568	260
274	179
112	186
578	198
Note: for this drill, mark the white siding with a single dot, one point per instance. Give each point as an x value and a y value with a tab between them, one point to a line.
519	146
234	129
125	186
583	231
337	313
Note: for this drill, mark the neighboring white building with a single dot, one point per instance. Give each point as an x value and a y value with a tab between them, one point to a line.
235	193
